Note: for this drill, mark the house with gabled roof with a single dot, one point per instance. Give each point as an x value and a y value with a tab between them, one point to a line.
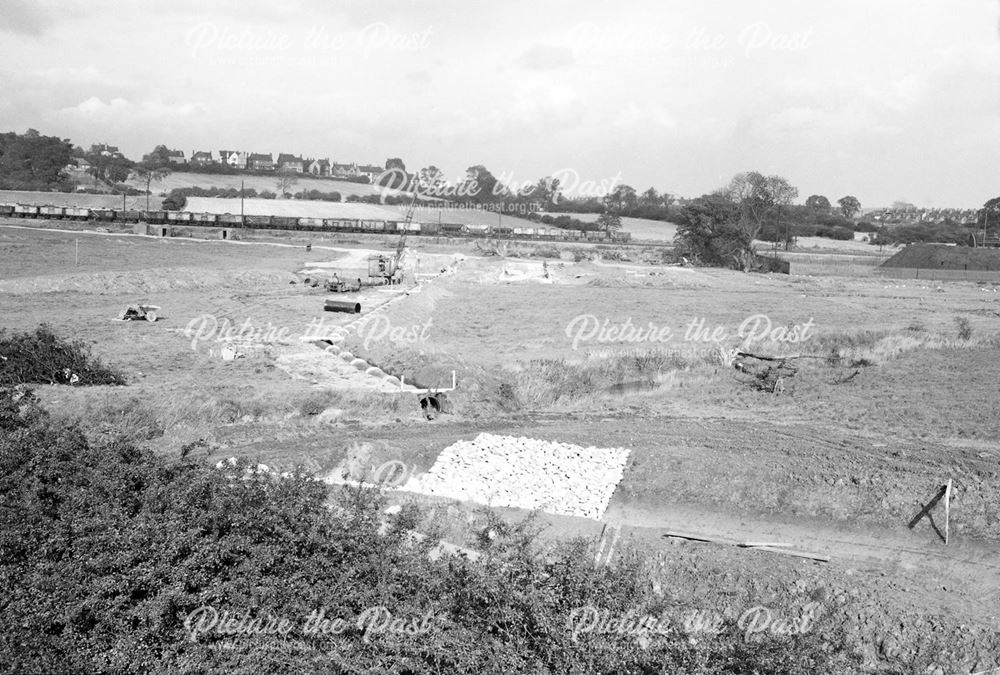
290	163
318	167
201	158
234	158
260	162
176	157
370	170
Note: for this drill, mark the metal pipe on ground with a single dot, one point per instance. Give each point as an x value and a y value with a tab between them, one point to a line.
342	306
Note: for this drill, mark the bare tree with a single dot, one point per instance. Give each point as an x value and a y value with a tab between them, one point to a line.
287	178
144	173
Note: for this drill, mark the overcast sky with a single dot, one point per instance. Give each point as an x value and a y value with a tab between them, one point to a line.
887	100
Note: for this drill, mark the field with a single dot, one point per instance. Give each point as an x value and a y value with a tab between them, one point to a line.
77	199
183	179
642	229
885	403
320	209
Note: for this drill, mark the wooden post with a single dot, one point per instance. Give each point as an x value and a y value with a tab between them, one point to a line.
947	509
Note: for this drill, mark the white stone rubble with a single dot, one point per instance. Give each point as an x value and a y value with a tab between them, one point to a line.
527	473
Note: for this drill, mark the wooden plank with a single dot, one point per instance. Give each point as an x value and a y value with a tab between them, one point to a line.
797	554
693	537
947	509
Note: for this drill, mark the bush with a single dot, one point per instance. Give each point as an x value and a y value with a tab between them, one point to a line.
110	553
44	358
964	328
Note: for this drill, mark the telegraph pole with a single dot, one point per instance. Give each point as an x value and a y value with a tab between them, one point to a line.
242	220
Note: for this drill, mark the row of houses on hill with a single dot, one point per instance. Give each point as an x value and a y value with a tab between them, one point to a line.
255	161
915	215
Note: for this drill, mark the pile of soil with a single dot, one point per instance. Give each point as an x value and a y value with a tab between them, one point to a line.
942	256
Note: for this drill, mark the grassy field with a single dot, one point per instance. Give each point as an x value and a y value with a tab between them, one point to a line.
77	199
183	179
836	462
320	209
642	229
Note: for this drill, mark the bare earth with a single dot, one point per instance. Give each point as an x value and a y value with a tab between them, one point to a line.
834	465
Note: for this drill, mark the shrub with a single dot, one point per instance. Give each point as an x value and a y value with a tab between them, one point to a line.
44	358
109	550
964	328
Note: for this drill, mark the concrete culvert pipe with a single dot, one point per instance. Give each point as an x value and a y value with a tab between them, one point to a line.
342	306
430	406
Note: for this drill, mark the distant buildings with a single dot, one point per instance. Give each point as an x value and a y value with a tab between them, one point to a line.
254	161
914	216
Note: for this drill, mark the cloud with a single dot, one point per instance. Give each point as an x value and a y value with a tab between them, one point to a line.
95	106
21	17
545	57
632	116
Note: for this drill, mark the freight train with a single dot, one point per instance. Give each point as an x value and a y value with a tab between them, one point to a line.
228	220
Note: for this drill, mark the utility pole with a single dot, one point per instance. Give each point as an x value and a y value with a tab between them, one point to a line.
242	221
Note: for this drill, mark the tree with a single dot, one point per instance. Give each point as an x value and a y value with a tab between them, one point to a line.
708	230
610	221
286	179
147	174
544	192
849	206
395	163
622	199
756	195
990	213
818	203
32	161
481	185
158	158
429	180
650	198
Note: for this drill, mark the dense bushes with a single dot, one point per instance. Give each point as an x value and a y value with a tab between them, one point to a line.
44	358
112	559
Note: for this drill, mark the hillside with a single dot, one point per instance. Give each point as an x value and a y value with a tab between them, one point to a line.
942	256
183	179
640	228
319	209
77	199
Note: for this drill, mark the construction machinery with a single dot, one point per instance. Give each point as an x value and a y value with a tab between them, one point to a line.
138	313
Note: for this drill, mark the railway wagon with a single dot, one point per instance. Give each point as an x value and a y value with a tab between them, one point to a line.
204	218
25	211
284	222
340	224
503	231
155	217
178	217
129	216
408	227
103	215
479	230
524	232
372	225
258	222
6	210
595	235
77	213
311	223
452	229
230	220
54	212
430	228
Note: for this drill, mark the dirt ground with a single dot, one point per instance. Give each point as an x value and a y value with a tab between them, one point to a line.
835	464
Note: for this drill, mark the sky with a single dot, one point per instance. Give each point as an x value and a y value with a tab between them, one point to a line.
887	100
